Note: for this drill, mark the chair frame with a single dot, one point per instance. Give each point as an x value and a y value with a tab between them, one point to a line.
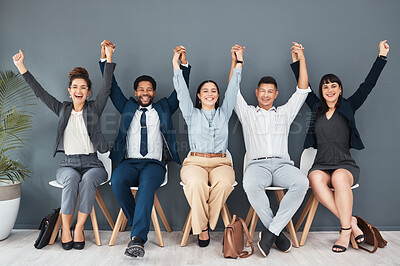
252	217
312	203
107	165
225	214
121	221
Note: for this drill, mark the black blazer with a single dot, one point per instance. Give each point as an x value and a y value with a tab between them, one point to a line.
347	107
92	110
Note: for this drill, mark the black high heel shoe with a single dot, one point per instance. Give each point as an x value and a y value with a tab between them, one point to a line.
339	248
68	245
81	244
204	243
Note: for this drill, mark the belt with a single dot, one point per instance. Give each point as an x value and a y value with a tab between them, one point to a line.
268	157
208	155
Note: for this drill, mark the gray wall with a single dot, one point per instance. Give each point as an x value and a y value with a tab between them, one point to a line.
339	37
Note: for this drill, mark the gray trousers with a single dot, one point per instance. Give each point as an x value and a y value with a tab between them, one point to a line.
260	174
80	174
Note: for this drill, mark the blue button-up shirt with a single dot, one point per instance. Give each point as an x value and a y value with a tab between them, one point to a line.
208	130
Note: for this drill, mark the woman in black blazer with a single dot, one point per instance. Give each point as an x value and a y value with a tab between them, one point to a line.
79	137
333	132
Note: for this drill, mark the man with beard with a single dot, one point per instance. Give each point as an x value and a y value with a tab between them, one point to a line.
145	143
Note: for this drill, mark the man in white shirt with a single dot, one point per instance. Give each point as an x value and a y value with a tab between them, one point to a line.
266	130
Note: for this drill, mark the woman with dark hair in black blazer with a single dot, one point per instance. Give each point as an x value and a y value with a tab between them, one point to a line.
79	137
333	132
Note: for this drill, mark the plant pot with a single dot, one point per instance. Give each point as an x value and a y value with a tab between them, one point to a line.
10	196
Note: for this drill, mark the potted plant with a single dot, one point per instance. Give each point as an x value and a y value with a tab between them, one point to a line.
15	124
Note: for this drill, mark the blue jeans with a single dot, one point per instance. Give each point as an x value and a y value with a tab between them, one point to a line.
147	175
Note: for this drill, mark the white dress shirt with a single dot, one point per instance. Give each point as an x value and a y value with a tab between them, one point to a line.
76	138
154	137
266	132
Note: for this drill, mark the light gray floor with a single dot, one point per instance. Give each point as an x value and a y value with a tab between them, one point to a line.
18	249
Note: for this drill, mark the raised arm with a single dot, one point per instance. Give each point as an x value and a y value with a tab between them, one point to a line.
181	88
43	95
312	99
234	83
365	88
298	51
117	97
241	106
102	96
173	99
235	48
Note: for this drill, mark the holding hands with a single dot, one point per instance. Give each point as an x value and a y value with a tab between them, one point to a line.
107	49
383	48
237	55
179	54
297	52
18	60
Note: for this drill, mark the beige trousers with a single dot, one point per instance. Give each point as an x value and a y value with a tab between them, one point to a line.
208	183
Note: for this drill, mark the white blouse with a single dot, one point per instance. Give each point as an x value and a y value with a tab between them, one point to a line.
76	138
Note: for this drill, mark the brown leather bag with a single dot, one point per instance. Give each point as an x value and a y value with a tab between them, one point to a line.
372	235
233	243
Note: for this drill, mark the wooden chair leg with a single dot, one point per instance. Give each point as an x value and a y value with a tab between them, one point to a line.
353	241
117	227
253	224
249	216
225	215
310	218
186	222
95	227
123	224
157	227
104	209
304	213
186	229
55	230
229	214
290	227
161	213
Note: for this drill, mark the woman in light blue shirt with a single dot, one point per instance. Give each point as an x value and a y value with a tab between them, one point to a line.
207	172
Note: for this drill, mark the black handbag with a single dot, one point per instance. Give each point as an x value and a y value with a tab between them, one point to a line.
46	228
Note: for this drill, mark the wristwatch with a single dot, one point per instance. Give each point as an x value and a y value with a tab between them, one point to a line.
239	62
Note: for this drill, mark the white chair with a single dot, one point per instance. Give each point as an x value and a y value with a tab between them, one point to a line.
103	157
252	216
120	224
225	214
306	161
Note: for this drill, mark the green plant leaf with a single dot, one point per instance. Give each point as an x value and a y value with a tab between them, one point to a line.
15	124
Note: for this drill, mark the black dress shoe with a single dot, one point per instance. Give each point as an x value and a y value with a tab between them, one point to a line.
283	243
204	243
267	239
80	245
135	247
68	245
